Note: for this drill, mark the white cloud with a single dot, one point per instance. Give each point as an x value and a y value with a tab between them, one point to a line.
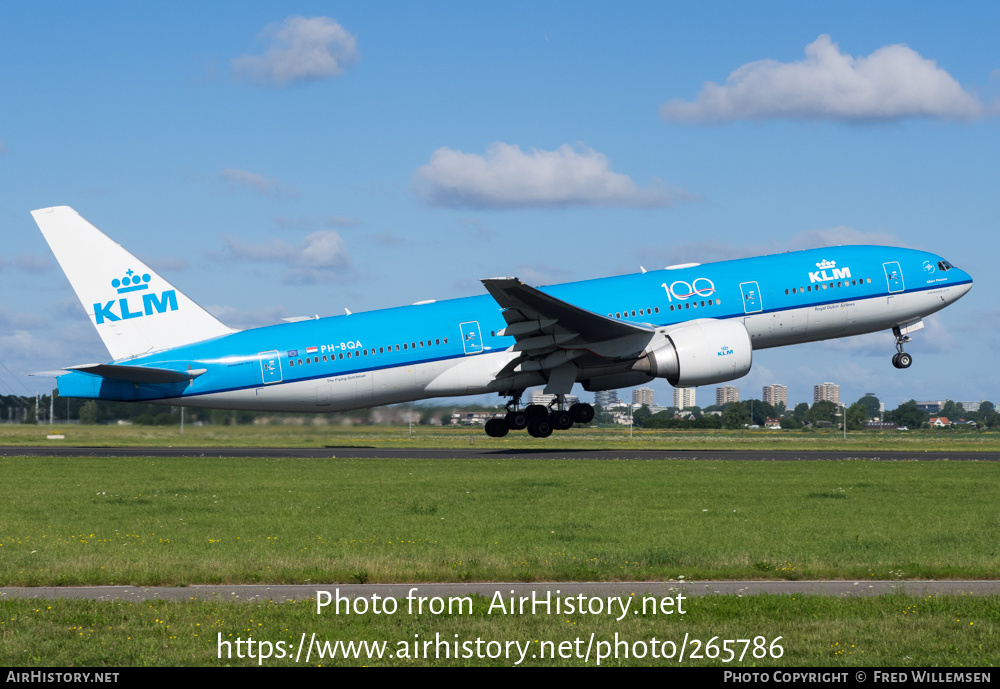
320	257
894	82
507	177
257	183
301	50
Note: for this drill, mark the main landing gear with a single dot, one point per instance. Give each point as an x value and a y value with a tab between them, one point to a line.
901	359
538	419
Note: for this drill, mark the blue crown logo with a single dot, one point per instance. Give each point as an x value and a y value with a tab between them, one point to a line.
823	265
131	282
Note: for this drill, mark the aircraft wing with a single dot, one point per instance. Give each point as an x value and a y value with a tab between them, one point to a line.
524	305
553	333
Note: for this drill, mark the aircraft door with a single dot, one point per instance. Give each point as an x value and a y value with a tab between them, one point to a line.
270	367
751	297
893	276
472	341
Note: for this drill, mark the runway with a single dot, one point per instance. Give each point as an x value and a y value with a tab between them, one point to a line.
473	452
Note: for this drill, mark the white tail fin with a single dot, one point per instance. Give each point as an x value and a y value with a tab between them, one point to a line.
134	310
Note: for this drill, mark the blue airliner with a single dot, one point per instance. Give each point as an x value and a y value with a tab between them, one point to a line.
690	324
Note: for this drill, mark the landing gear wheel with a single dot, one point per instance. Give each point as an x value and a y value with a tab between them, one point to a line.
540	428
535	411
516	420
561	419
582	413
496	428
901	359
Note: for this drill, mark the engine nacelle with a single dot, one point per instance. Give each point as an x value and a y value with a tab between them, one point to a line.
699	353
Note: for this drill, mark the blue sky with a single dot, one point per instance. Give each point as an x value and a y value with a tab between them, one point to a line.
277	160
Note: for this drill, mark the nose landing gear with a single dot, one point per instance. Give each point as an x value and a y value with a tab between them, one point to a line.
901	359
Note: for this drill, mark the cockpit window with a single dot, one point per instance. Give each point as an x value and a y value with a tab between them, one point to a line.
944	265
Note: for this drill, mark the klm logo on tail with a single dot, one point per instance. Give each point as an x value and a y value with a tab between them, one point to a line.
151	302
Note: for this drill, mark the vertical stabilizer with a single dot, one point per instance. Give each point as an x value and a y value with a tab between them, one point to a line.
134	310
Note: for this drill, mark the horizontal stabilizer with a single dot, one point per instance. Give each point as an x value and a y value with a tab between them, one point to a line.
138	374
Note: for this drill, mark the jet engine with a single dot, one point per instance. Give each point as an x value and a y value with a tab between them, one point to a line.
699	353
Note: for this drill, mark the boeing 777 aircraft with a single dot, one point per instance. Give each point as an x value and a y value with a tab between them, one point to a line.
691	324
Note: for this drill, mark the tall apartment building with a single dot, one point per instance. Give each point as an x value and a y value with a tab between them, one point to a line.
775	393
643	396
684	398
606	399
826	392
727	394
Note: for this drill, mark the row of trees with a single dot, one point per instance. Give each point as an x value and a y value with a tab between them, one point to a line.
756	412
16	409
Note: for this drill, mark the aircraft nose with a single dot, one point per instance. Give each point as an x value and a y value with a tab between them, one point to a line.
960	291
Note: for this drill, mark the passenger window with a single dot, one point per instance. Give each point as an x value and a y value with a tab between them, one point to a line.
437	341
300	362
657	309
404	345
291	362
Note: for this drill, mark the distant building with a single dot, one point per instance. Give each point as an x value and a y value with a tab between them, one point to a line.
931	406
774	393
684	398
606	399
970	406
643	396
827	392
881	426
727	394
468	418
541	398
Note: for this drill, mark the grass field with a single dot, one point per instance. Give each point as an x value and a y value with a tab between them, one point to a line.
321	521
885	631
153	521
311	435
